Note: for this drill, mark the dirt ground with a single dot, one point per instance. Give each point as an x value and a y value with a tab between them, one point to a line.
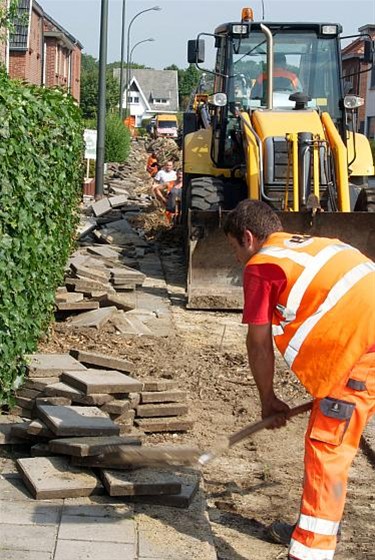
258	480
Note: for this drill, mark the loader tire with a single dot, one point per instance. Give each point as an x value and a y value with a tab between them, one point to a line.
207	193
366	200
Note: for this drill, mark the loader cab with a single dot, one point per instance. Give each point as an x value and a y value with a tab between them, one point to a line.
306	60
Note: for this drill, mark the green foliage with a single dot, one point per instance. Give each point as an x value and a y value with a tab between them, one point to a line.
188	80
90	88
117	140
134	65
41	149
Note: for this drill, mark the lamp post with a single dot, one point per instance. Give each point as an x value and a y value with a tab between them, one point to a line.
121	96
155	9
100	145
136	45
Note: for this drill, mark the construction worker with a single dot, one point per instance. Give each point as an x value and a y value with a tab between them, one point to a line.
316	297
152	165
173	201
283	79
161	180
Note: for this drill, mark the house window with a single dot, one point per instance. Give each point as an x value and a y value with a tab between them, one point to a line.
161	101
134	99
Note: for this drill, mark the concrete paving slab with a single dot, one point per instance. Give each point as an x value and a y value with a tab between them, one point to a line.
85	285
161	410
152	385
155	425
89	446
54	477
31	513
39	383
95	319
24	554
181	500
8	468
41	450
6	423
101	207
37	539
64	390
38	428
55	401
77	421
93	381
98	529
101	274
13	489
78	306
124	301
105	252
145	481
51	365
98	506
69	297
116	407
28	393
163	396
118	201
105	361
88	550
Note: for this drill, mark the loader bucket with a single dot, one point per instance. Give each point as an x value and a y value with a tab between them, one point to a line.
215	278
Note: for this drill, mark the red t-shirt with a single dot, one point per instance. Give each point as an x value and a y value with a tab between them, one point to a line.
262	285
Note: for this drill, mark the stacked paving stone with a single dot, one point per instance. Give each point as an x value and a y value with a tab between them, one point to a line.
76	413
87	379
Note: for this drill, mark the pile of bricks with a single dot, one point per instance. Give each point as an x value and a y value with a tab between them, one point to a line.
76	413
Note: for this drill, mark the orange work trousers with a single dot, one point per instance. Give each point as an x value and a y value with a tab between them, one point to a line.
332	439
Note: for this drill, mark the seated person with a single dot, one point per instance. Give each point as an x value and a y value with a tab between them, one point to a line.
283	79
161	180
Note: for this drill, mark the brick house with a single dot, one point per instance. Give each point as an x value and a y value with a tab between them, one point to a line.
361	84
42	52
3	42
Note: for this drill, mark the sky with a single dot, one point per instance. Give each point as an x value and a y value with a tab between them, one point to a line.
181	20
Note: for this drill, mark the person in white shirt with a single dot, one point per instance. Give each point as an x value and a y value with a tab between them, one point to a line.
161	181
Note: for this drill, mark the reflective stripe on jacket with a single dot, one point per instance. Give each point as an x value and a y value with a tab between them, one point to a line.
324	320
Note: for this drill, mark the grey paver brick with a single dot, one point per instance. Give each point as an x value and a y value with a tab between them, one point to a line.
77	421
96	529
35	538
48	365
102	360
78	306
64	390
95	319
161	410
89	446
141	482
151	385
31	513
24	555
163	396
171	424
54	477
88	550
93	381
101	207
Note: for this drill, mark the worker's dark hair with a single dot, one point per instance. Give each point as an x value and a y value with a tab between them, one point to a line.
254	215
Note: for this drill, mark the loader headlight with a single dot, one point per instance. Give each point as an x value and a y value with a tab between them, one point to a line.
329	30
353	101
218	99
238	29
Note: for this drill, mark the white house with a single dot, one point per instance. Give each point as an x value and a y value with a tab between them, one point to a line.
151	92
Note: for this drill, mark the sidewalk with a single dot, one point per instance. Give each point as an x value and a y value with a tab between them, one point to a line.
97	528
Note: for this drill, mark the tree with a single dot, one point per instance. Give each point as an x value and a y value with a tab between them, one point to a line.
89	88
188	84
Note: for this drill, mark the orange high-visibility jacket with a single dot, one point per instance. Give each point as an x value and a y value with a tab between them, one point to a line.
281	73
325	317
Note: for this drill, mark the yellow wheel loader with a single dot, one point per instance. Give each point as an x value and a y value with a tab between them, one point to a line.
276	127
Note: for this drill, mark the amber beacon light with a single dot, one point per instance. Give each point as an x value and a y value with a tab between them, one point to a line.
247	14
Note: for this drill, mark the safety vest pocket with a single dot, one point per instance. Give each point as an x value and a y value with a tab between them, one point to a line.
331	420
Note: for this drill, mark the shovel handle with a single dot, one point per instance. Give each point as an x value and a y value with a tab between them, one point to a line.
267	422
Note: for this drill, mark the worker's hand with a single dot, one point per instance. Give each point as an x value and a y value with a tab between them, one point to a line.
272	405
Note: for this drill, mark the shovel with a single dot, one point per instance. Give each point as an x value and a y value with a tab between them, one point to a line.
178	455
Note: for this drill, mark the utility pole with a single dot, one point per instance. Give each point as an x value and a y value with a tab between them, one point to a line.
100	146
121	96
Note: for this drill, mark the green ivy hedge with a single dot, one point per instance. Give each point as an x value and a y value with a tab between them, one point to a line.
41	148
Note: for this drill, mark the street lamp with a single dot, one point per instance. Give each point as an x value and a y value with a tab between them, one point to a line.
122	58
136	45
155	9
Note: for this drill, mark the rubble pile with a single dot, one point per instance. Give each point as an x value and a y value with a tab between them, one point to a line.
165	149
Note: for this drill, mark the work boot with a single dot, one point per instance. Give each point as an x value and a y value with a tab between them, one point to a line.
281	532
